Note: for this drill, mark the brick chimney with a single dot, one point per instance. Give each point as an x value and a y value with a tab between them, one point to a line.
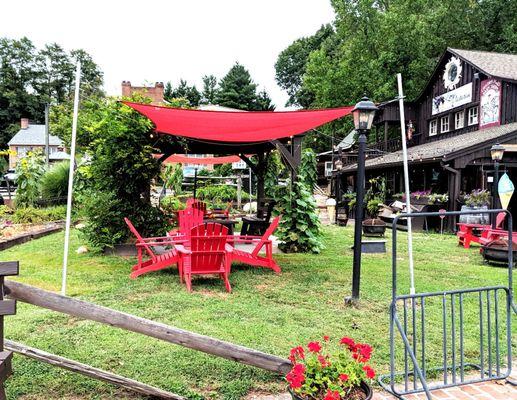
126	89
158	92
24	123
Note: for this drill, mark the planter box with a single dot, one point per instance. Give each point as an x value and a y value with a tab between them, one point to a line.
27	236
476	217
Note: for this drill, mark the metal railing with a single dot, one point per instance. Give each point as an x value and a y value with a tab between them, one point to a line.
474	331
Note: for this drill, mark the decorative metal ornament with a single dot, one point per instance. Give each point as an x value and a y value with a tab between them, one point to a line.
452	73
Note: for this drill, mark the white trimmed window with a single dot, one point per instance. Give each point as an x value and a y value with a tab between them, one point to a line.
433	127
444	127
328	168
459	119
473	116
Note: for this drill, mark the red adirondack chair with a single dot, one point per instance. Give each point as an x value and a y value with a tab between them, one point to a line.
254	258
466	234
207	253
187	219
155	261
200	205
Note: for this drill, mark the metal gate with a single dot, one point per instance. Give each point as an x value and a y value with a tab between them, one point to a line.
474	329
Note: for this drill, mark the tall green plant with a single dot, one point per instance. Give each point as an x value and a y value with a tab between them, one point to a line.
273	172
308	173
172	176
299	230
29	170
54	183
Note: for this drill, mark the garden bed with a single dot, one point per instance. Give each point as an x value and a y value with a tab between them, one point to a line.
20	233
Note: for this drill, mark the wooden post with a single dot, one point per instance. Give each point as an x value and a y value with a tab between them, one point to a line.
83	309
261	177
99	374
385	136
239	190
7	307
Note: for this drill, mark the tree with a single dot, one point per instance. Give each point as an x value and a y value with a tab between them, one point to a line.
291	64
237	90
209	93
264	102
29	79
184	91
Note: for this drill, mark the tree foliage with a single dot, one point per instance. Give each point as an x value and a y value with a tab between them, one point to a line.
29	169
182	91
209	93
31	78
237	90
119	143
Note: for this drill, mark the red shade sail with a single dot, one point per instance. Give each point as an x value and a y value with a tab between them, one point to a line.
178	158
236	127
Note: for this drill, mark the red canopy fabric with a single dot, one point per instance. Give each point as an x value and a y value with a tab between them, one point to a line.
178	158
236	127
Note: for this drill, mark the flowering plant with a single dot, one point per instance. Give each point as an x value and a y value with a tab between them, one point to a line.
330	372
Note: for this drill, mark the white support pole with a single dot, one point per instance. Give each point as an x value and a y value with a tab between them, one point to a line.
406	185
71	177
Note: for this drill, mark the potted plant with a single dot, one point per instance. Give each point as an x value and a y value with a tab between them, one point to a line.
375	198
327	371
477	200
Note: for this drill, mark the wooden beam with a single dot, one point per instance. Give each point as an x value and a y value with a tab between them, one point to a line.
286	154
249	163
95	373
83	309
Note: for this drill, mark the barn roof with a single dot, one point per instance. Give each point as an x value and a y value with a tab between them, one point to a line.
497	65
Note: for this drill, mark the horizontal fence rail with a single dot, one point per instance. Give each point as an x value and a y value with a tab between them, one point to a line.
86	310
473	327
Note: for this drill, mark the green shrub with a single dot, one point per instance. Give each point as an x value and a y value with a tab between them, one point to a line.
172	176
32	215
54	183
169	204
29	169
105	224
219	193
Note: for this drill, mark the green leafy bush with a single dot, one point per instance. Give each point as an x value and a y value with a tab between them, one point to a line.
32	215
219	193
169	204
299	230
54	182
172	176
308	172
30	169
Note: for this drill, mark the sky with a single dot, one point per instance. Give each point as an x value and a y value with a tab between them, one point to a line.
156	40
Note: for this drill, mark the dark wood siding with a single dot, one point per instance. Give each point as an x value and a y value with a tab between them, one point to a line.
509	103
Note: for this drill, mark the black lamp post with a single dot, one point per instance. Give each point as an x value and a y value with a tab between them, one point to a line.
363	112
497	152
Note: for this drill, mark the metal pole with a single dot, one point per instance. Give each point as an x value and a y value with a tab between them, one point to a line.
195	182
356	274
406	186
71	177
251	194
239	191
47	108
495	193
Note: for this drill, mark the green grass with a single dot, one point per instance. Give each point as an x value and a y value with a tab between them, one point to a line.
268	312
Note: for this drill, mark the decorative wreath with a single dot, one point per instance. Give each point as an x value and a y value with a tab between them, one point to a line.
452	73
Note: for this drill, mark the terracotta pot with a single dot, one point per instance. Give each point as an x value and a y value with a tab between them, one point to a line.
366	388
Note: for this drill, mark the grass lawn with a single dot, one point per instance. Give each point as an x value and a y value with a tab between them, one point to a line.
265	311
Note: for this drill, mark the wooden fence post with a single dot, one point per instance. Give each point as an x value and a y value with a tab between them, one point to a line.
7	307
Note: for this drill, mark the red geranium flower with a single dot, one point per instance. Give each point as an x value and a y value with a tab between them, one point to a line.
323	361
332	395
370	373
343	377
326	338
349	342
314	347
365	350
299	369
297	352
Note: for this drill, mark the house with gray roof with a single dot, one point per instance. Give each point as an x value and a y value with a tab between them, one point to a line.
468	104
31	137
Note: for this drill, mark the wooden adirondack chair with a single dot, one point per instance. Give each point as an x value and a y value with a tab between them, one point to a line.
155	261
208	253
254	258
466	234
187	219
200	205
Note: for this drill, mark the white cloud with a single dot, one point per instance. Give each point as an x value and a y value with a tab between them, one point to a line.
158	40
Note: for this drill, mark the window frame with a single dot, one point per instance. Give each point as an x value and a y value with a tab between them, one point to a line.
462	119
470	113
433	132
445	118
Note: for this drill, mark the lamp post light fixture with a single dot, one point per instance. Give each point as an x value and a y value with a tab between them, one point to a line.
363	113
496	152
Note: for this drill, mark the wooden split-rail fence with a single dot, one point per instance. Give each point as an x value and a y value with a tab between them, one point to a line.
90	311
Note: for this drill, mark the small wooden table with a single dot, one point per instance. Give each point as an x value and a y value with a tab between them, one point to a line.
229	223
466	233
